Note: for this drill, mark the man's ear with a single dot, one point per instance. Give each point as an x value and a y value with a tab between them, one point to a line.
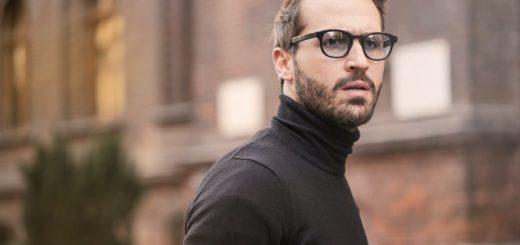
283	64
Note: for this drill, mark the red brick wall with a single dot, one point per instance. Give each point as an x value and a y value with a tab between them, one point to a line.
411	197
493	192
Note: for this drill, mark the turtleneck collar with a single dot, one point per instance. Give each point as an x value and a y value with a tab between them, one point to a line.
321	142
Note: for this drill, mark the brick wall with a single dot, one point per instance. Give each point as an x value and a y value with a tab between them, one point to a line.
492	191
231	40
413	196
495	50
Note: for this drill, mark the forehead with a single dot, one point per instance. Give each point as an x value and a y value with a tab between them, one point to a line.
356	16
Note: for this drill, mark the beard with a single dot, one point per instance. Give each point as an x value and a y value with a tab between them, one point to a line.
324	102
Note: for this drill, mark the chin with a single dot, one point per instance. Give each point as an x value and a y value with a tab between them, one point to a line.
357	114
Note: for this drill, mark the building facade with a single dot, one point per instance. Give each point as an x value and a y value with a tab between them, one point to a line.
187	80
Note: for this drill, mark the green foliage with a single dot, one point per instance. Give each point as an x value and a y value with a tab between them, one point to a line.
85	201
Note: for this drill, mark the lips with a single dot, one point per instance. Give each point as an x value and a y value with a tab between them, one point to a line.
356	85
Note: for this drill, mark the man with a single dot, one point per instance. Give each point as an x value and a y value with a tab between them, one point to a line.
287	184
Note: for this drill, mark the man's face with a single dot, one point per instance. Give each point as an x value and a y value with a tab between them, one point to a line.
344	90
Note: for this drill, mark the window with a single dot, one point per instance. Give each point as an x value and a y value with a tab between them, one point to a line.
180	51
14	101
176	70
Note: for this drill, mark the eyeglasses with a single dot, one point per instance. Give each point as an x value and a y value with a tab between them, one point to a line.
337	43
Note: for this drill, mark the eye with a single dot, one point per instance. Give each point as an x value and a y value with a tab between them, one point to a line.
373	42
334	40
331	42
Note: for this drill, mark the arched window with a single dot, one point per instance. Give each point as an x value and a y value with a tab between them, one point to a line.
14	100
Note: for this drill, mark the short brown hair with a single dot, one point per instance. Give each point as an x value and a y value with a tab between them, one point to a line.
288	22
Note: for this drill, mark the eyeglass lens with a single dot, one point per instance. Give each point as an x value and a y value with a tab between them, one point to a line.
376	46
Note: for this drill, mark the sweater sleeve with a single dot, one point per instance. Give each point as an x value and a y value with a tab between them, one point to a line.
239	202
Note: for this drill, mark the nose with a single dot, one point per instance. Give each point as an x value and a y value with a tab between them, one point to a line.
356	59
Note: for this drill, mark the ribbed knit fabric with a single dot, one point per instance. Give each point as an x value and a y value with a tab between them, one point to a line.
323	143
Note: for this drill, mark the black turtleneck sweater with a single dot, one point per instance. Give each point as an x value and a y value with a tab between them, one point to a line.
285	186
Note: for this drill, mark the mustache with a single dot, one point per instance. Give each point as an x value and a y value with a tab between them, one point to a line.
357	75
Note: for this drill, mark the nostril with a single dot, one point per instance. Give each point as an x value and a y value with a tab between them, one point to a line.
357	64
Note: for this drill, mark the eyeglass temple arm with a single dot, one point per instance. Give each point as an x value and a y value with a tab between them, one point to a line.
298	39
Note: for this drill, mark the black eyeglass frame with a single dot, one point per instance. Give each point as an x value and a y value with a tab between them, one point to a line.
319	35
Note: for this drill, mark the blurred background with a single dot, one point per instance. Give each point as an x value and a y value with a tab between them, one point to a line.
185	81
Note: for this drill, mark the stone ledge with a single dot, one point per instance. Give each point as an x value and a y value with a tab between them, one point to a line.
496	123
88	127
178	113
14	138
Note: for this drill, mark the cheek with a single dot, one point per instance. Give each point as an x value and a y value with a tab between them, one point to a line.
323	71
329	71
376	73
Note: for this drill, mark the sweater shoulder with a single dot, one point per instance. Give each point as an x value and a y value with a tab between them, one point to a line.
238	191
242	172
265	149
